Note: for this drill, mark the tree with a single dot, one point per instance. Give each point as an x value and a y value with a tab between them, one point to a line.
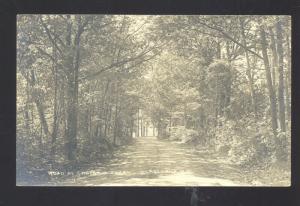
281	101
272	94
248	72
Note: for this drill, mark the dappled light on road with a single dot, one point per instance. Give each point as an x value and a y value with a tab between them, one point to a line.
153	162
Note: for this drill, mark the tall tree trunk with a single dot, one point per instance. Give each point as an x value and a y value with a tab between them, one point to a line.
272	95
41	112
73	63
275	56
103	108
288	77
71	121
63	110
170	130
131	126
31	79
105	122
248	71
138	123
281	102
141	124
110	116
287	97
185	115
219	49
55	111
228	55
116	114
26	111
70	93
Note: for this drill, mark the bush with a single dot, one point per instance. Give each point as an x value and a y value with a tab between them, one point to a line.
184	135
246	142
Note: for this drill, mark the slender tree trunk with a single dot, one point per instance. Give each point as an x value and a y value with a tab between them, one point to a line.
272	95
275	56
103	108
227	97
248	71
288	78
55	116
281	102
185	115
41	113
37	100
287	97
141	124
228	56
63	111
138	123
170	123
110	120
40	142
91	114
216	106
219	50
26	111
116	114
131	126
26	118
106	117
105	123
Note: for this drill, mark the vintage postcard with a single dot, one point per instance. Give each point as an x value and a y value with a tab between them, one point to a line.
153	100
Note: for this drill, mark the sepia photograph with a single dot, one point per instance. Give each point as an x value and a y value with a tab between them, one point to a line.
153	100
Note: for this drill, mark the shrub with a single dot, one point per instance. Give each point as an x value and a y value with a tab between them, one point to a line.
246	142
184	135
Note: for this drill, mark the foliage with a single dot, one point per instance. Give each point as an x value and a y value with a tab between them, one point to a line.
184	135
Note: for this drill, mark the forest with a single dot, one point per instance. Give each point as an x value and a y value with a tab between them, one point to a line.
220	85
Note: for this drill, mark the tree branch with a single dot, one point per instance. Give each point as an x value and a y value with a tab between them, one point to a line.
48	55
118	63
49	35
226	35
